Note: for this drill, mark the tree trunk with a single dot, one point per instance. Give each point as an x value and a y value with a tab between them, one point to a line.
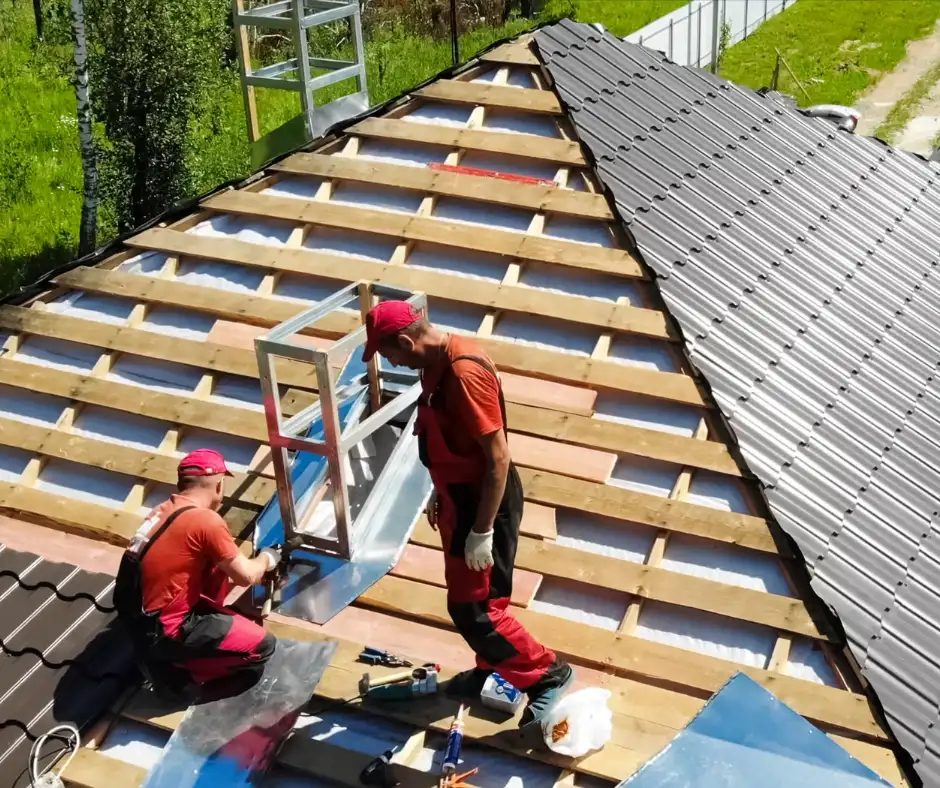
37	12
89	226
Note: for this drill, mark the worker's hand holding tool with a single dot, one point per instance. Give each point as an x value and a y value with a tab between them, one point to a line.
272	556
432	509
478	550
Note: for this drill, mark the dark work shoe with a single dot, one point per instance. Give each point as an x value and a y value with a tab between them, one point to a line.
468	684
546	693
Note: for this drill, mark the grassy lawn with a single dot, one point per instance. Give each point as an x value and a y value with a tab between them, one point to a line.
40	168
837	48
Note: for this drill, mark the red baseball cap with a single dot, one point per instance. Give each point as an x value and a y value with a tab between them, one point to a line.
203	462
384	321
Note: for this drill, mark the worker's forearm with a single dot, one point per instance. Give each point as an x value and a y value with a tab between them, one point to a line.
491	493
259	568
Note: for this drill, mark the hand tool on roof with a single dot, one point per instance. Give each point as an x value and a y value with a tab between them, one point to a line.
423	681
276	579
367	683
375	656
378	772
449	776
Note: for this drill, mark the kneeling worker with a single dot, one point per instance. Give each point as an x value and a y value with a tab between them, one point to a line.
477	500
173	581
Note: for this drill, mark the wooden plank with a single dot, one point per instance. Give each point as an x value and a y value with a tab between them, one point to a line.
652	582
515	298
241	422
528	146
596	373
574	461
600	648
546	394
456	91
518	53
622	438
237	307
93	769
509	357
550	199
150	344
53	442
111	525
618	503
426	229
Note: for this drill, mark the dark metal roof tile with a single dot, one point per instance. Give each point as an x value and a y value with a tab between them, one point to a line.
801	263
61	660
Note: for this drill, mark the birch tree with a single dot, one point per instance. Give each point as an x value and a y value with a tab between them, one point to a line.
89	222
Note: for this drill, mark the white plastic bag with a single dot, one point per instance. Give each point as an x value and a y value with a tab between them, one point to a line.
581	722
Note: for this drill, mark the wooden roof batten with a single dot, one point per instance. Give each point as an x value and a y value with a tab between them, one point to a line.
647	713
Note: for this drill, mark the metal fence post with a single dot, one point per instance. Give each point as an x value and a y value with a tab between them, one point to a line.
714	66
745	19
670	39
698	38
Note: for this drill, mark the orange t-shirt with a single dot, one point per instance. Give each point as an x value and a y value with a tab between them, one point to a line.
181	565
467	398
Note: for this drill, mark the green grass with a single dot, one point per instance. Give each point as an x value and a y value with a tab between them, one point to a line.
620	17
906	107
837	48
40	167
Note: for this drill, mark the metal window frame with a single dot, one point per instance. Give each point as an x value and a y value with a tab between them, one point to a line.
295	17
290	434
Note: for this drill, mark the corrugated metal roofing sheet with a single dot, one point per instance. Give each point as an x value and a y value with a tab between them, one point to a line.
60	661
801	263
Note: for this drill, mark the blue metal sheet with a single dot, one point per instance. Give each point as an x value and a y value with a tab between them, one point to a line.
232	742
746	737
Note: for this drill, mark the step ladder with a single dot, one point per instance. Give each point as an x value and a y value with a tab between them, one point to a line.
295	18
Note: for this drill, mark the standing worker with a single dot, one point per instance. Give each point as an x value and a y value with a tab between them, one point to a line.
476	503
173	581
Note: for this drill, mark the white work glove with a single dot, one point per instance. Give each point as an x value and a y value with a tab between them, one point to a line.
272	557
478	550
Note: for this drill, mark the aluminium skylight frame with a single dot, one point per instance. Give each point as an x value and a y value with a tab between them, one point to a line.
294	433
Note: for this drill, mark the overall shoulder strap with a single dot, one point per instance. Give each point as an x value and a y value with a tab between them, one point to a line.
489	367
166	524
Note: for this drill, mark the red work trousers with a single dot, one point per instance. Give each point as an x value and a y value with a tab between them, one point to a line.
478	602
214	642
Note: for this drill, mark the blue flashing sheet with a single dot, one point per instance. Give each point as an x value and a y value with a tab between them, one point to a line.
746	737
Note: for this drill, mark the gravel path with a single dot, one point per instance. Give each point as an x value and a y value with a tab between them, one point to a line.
876	103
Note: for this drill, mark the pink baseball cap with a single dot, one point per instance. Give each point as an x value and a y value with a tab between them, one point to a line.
203	462
384	321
